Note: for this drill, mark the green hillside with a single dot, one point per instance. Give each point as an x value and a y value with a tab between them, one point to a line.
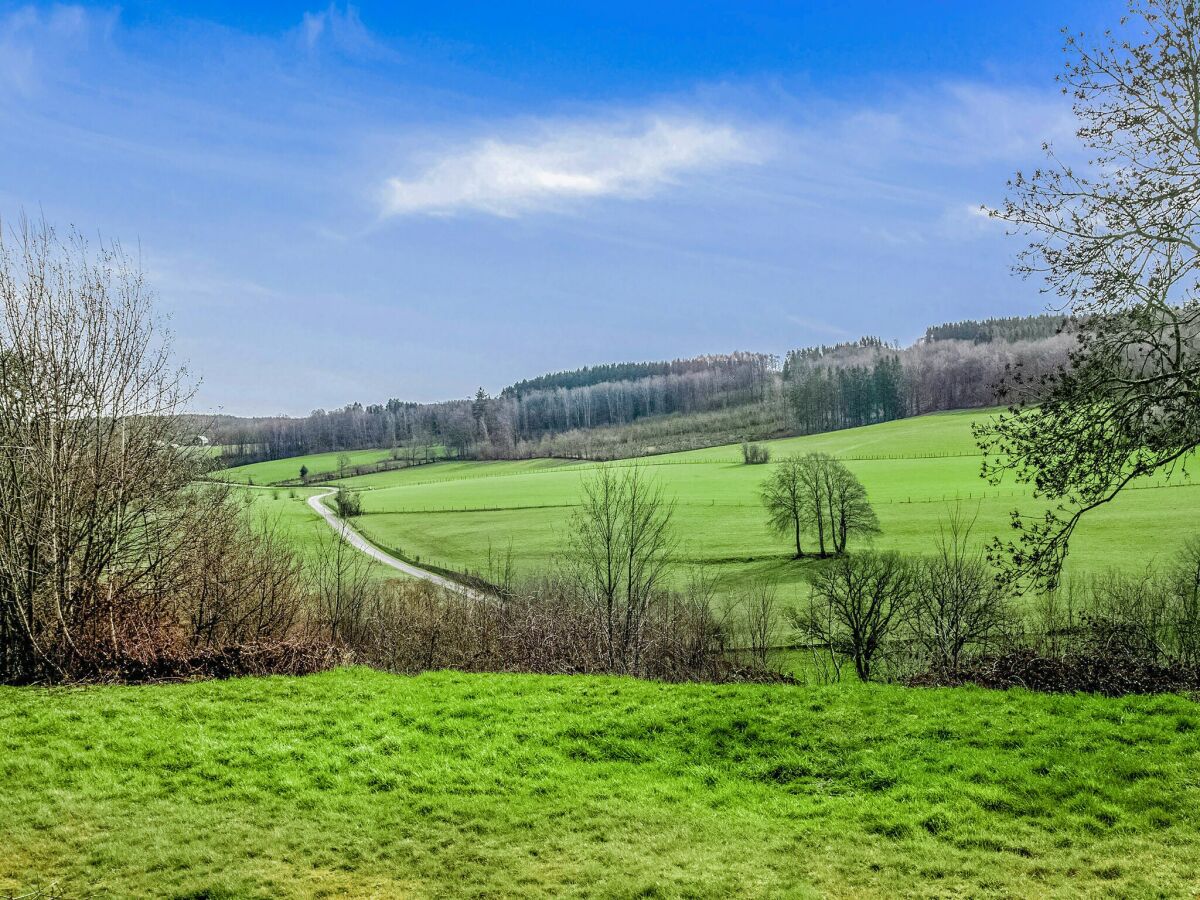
360	784
277	470
915	471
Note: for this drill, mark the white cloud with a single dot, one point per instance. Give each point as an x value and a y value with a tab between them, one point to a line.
570	161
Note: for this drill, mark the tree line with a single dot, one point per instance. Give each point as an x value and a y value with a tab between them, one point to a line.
810	390
869	381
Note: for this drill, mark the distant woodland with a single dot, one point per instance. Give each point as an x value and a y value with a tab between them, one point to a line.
625	409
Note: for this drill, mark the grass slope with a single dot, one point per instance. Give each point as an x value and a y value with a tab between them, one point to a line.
915	470
277	470
360	784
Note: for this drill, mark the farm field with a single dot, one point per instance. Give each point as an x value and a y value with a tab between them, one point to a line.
915	471
357	783
288	469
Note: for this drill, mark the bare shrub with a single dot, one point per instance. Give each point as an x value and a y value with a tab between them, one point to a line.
341	586
1113	634
548	625
1183	578
113	564
957	606
89	440
618	553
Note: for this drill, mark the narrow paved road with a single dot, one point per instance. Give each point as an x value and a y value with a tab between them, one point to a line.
356	540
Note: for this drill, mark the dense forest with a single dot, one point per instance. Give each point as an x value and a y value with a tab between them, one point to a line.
1009	328
633	408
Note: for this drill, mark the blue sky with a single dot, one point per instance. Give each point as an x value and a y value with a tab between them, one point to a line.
341	203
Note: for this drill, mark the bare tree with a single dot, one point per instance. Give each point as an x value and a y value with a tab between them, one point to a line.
620	546
856	604
957	603
850	513
342	582
784	495
89	457
759	604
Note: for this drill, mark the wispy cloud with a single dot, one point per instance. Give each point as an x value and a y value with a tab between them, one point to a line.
342	29
30	38
571	161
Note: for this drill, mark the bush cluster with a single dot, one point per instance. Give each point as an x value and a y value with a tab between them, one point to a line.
544	626
944	621
755	454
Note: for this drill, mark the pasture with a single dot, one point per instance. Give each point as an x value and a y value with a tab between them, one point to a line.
915	471
360	784
279	470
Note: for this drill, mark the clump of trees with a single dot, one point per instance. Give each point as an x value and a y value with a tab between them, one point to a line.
755	454
815	494
348	503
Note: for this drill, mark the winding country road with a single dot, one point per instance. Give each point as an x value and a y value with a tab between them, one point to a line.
356	540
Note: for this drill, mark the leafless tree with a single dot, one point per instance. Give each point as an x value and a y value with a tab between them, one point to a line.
850	513
856	604
788	508
342	581
957	603
620	546
90	465
759	611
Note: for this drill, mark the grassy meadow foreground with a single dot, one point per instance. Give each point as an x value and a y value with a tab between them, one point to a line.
915	470
356	783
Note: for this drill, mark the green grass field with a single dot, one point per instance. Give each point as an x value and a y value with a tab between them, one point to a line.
360	784
278	470
915	471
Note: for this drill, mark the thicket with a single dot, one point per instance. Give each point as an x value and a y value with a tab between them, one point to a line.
755	454
944	620
348	503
